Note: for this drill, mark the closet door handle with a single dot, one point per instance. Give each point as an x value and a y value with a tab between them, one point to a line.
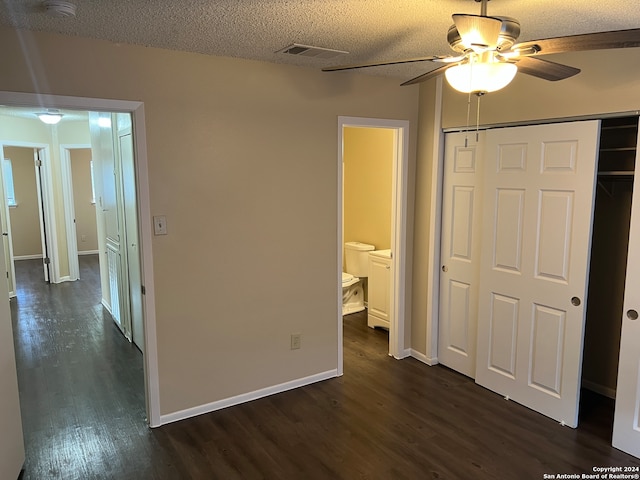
632	314
575	301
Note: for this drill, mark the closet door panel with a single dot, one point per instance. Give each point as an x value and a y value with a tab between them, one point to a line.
535	251
460	256
554	235
507	254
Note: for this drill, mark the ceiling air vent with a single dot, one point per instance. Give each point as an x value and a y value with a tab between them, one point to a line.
309	51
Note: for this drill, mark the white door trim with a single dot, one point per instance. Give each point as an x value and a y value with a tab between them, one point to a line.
69	208
45	201
398	235
144	210
435	226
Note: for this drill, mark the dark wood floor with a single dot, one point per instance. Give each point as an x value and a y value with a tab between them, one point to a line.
81	387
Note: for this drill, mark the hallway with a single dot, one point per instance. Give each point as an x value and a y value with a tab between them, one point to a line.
82	396
80	380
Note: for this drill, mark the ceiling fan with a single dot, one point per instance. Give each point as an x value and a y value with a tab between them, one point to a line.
488	57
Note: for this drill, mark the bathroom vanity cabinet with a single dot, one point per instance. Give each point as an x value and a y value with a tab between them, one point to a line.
379	310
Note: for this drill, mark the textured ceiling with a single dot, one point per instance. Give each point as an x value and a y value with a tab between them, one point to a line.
371	30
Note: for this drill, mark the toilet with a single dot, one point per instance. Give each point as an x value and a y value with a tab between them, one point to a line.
357	269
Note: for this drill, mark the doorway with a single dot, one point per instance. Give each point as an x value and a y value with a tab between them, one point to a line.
400	129
135	111
28	213
79	203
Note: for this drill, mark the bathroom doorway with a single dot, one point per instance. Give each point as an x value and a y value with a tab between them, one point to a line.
400	131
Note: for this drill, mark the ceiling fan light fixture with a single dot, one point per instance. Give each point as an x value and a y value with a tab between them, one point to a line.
50	117
478	32
480	77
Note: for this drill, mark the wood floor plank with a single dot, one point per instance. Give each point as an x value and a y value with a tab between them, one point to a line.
82	397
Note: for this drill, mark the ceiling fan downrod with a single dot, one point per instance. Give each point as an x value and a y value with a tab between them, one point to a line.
483	7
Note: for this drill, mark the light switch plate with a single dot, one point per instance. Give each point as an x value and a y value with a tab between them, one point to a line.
159	225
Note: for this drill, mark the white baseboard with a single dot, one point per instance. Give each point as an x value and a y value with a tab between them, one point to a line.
423	358
107	306
245	397
601	389
89	252
28	257
405	353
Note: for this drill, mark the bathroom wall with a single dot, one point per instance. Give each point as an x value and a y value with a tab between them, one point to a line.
368	162
25	224
85	209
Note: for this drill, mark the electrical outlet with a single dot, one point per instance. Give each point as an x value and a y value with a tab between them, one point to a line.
83	238
296	341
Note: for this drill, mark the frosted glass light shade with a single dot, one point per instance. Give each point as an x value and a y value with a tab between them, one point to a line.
482	77
50	118
478	31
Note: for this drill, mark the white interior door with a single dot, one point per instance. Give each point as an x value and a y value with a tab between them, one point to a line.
626	423
11	439
538	206
131	229
460	251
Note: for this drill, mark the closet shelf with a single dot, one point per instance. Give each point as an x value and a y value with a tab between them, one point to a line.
618	149
618	127
615	174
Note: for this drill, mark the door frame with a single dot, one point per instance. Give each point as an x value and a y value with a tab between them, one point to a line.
136	109
69	207
44	189
398	230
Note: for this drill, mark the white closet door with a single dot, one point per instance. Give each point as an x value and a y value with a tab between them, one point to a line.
538	206
460	251
626	422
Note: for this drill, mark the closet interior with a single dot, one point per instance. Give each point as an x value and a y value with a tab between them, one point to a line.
610	240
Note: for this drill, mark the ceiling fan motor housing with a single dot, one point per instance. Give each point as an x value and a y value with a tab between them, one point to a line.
509	33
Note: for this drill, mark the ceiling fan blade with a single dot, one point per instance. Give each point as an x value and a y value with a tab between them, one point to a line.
426	76
545	69
576	43
379	64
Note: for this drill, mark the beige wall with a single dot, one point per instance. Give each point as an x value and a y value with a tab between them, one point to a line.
609	83
368	161
85	209
25	223
428	135
243	163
